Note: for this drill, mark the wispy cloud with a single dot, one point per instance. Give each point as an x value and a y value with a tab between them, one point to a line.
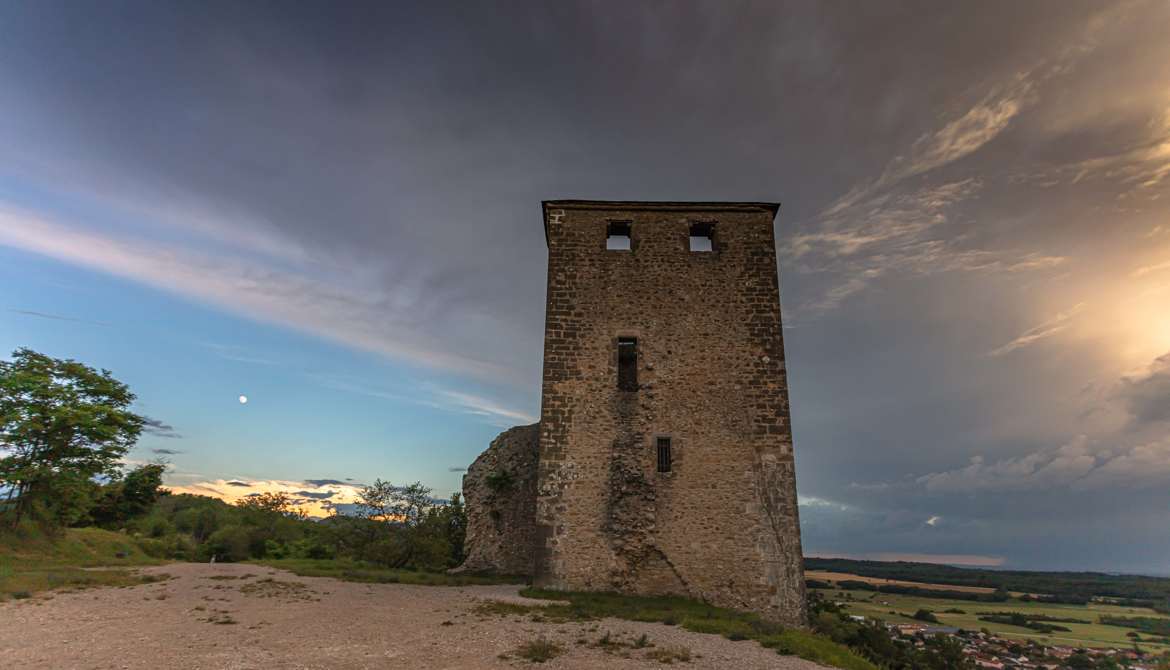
238	354
1043	331
436	397
165	452
482	406
159	429
57	317
895	224
313	303
1148	269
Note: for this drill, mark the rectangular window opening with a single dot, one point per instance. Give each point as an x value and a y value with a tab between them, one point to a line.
617	236
702	237
627	364
664	456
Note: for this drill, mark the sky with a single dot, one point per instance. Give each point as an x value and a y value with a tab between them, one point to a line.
334	209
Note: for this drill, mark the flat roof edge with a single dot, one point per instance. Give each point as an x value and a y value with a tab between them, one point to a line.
663	204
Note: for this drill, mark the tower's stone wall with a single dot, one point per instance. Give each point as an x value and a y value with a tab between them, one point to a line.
722	524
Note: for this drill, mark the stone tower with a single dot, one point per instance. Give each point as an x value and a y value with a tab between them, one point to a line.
666	462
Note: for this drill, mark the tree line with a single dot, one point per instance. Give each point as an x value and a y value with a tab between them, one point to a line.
65	430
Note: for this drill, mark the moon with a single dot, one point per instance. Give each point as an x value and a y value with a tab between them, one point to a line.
243	400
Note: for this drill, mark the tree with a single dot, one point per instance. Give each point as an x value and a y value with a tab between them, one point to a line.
278	504
926	615
62	424
128	496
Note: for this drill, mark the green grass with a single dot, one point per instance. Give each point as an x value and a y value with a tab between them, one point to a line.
694	616
1092	634
356	571
31	562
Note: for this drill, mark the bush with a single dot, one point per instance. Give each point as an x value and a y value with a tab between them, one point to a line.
925	615
229	544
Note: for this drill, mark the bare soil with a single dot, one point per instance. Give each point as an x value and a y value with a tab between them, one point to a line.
247	616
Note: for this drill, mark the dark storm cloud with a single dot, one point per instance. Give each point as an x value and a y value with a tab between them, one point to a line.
371	174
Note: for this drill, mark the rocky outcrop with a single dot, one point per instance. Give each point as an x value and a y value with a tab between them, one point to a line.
499	491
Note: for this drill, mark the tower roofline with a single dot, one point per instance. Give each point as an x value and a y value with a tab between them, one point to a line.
651	205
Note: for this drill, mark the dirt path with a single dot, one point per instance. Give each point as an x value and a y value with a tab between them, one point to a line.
245	616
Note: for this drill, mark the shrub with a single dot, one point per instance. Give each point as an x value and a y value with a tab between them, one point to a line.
499	481
925	615
229	544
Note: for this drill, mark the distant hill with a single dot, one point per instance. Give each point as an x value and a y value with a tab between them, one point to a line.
1060	586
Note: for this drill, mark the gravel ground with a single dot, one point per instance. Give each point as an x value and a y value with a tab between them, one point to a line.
246	616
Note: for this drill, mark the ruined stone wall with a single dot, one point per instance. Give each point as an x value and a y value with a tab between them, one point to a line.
722	525
499	492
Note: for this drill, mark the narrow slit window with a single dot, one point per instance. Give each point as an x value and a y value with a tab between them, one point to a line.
664	456
702	237
617	236
627	364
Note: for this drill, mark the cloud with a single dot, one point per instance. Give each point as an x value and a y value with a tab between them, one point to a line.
1147	269
165	452
321	495
437	397
475	404
457	468
316	498
973	560
57	317
899	233
895	225
237	354
326	482
1077	465
1043	331
159	429
963	136
1147	395
319	303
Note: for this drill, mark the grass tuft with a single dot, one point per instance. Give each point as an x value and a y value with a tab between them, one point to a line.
698	617
539	650
669	655
358	571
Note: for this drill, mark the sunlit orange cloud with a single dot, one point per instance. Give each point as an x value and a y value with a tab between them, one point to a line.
313	499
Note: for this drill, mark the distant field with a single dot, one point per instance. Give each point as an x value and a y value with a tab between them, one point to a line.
825	575
879	605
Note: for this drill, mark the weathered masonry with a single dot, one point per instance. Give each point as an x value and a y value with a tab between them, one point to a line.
665	457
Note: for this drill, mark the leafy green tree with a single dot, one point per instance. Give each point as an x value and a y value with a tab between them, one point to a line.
62	423
127	496
925	615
